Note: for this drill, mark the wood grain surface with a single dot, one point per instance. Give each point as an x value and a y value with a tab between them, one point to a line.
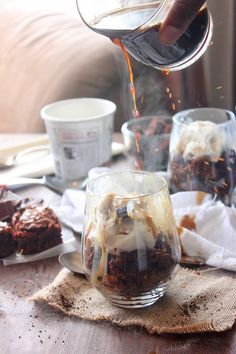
29	328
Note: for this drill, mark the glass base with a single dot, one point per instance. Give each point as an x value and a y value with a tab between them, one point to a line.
141	301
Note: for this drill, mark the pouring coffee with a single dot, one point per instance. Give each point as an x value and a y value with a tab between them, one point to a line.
136	24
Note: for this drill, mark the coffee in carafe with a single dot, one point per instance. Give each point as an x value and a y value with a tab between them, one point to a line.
136	24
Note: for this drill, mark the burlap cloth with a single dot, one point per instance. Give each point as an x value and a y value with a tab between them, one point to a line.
195	302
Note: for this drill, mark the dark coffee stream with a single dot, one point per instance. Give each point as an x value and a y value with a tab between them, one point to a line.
146	48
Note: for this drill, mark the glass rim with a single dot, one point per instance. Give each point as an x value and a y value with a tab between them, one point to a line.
126	127
134	172
199	50
162	4
158	11
185	112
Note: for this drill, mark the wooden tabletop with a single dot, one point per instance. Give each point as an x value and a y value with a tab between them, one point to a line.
29	328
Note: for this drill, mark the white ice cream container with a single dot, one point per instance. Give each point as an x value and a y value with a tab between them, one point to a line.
80	134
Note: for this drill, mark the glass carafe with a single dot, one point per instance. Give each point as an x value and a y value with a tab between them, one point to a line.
136	23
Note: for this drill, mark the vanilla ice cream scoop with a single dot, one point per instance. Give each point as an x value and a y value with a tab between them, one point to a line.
201	138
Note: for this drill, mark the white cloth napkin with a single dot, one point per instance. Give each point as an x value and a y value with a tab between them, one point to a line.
214	237
71	209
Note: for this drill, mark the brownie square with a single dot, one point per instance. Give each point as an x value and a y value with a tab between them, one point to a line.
7	244
201	174
36	229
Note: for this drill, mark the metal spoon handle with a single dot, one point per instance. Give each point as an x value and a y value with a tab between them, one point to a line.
31	149
14	183
12	150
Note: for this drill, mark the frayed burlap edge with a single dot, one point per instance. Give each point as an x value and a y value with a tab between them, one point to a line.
195	302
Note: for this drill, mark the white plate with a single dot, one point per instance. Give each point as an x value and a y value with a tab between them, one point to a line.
34	164
69	244
40	163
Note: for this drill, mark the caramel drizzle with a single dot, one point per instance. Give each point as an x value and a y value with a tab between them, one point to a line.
200	197
188	222
105	206
98	275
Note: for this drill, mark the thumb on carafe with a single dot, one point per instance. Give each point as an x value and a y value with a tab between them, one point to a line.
180	16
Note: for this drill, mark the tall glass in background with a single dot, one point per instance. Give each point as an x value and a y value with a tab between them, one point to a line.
136	24
130	246
202	155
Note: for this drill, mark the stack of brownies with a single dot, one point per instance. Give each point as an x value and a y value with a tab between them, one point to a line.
26	226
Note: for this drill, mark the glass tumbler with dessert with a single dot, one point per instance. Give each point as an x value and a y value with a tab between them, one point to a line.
130	246
202	154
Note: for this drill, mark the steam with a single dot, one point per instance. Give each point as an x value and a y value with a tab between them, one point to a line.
150	85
